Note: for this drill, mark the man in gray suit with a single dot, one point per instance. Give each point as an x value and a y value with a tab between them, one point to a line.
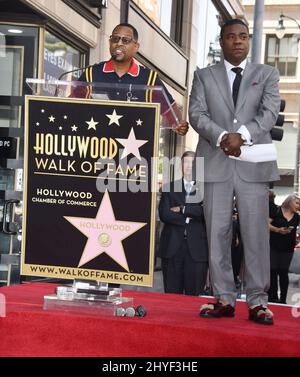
233	104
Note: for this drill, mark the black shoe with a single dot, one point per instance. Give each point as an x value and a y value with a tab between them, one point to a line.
216	310
262	315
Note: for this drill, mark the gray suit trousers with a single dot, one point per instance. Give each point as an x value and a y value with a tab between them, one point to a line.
252	203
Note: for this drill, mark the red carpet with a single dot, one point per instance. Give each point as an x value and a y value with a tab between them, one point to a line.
172	328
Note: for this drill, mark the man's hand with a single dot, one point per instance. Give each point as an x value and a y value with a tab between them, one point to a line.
231	144
182	128
175	209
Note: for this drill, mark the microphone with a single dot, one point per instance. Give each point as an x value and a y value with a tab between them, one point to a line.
140	311
66	73
120	312
73	70
129	312
114	56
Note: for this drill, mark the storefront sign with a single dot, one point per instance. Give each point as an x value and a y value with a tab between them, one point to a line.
8	147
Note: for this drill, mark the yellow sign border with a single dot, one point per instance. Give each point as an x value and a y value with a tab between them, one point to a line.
76	273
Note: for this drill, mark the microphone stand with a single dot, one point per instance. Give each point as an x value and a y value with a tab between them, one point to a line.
66	73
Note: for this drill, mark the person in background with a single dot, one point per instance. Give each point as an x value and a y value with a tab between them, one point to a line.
272	205
283	226
183	244
236	250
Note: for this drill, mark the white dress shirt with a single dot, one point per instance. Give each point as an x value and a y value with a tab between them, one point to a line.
245	134
188	185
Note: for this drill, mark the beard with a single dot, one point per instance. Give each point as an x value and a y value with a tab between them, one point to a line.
118	55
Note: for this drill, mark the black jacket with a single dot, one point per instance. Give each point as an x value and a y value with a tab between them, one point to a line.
175	224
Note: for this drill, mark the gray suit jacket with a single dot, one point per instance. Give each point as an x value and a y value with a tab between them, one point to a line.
212	111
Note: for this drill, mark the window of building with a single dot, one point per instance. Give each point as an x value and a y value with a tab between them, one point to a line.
18	61
60	57
209	50
166	14
283	54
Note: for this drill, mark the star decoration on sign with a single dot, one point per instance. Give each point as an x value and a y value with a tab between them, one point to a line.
139	122
43	110
37	124
60	128
92	124
131	145
74	128
51	119
114	118
105	234
65	116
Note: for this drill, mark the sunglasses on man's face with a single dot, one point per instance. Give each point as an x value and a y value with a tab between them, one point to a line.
117	38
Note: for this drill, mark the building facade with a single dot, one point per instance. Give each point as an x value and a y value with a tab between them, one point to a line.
45	39
280	48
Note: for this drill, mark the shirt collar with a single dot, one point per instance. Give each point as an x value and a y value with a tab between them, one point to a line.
134	69
186	182
228	65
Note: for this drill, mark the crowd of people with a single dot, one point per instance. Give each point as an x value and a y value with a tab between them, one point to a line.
284	220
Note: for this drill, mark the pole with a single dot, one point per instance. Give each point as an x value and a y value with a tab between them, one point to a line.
297	169
257	31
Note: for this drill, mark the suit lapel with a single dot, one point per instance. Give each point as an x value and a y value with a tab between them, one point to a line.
245	85
179	195
220	76
183	193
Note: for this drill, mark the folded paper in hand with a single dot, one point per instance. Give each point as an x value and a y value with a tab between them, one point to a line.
257	153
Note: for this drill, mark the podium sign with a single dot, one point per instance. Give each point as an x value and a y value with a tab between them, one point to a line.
89	206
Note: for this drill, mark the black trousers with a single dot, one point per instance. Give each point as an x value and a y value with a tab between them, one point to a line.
182	274
280	263
236	258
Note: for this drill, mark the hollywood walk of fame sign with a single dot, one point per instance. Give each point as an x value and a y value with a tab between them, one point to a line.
89	211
